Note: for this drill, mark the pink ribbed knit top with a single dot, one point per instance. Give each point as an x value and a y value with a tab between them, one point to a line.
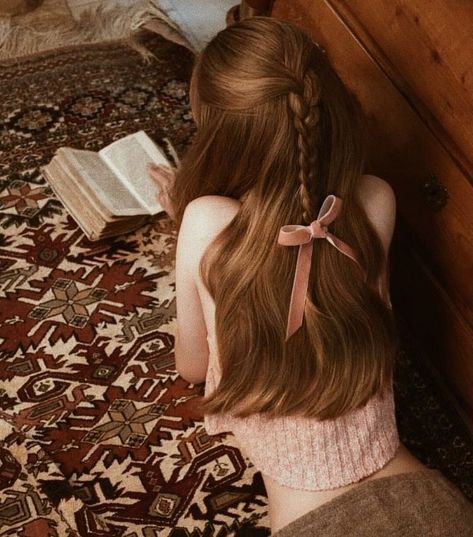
308	454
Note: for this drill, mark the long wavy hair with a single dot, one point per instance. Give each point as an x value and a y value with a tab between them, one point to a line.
278	130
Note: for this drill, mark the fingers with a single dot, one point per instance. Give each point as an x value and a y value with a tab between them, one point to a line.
162	175
158	168
163	198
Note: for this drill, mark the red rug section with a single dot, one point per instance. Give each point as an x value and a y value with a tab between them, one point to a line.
100	436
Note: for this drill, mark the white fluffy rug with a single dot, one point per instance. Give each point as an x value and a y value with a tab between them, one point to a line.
200	20
52	26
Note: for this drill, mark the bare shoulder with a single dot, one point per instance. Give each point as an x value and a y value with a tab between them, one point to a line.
378	199
376	194
204	218
207	216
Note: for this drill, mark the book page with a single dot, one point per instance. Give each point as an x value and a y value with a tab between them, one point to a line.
128	158
105	184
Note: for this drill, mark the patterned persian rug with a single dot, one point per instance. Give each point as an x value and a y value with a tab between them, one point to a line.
98	434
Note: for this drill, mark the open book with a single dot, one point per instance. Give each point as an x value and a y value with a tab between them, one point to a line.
110	192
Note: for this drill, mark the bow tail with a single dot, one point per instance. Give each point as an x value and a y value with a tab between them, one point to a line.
299	289
342	247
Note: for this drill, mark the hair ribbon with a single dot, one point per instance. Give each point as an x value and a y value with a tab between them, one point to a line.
303	236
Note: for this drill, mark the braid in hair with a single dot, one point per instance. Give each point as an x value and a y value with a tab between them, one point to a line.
306	117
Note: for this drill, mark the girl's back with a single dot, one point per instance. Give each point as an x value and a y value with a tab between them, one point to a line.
281	270
205	219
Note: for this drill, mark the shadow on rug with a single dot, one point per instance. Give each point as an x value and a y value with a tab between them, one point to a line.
99	434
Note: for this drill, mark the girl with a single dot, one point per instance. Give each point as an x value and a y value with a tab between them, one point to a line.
282	294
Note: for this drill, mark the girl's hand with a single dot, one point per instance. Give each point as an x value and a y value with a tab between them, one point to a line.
164	177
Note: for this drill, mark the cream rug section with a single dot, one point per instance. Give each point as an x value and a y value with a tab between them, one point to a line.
53	26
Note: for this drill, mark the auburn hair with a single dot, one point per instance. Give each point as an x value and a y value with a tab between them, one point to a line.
278	130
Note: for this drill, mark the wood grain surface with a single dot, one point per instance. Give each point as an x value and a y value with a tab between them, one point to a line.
408	139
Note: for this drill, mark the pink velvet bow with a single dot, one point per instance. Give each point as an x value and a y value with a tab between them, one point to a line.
302	236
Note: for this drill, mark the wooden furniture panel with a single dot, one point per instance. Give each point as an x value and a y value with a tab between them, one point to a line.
446	337
427	51
434	254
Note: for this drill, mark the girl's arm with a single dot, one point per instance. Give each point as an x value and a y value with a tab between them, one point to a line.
379	202
191	348
204	218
